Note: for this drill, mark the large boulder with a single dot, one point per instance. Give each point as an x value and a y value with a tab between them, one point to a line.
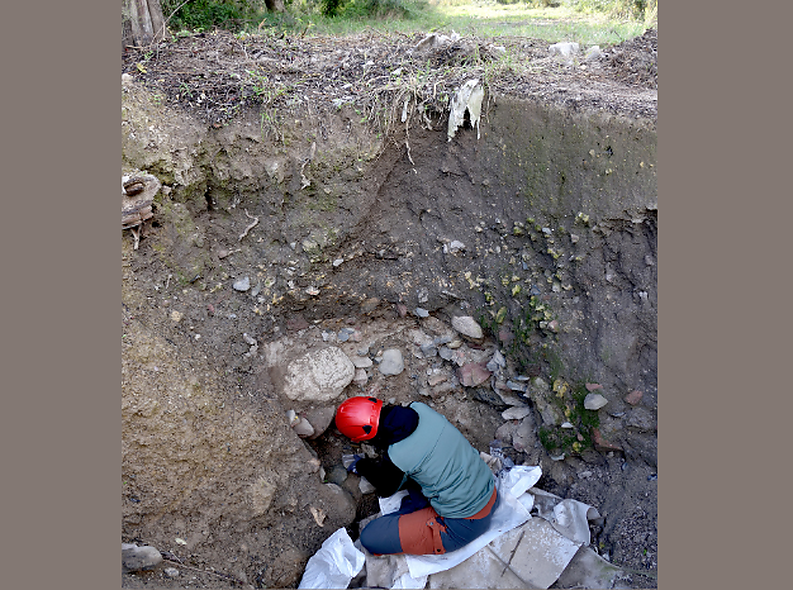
319	375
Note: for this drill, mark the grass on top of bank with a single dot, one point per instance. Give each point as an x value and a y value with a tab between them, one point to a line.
587	22
489	18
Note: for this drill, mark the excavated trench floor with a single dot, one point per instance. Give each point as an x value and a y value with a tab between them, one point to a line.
541	225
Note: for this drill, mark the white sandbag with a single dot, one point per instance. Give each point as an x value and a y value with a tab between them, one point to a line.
334	565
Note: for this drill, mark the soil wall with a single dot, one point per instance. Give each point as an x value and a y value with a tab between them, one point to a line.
544	228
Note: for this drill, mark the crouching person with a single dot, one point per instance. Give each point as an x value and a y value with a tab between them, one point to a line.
451	490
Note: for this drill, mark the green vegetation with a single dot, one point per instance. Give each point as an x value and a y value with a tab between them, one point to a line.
578	436
585	21
200	15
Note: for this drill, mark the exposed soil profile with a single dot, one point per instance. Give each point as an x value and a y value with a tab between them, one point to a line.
311	197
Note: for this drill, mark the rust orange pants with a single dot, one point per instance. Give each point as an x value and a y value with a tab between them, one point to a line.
424	531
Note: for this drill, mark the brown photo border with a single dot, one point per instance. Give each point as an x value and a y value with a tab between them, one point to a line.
61	414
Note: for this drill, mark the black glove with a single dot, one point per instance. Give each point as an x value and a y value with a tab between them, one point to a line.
351	463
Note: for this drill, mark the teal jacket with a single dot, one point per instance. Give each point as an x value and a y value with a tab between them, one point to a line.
452	475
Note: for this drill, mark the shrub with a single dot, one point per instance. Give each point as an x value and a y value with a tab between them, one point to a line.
209	14
634	9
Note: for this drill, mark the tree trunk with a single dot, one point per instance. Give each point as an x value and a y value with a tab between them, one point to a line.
142	22
274	5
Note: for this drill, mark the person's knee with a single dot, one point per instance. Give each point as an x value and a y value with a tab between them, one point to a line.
369	539
381	537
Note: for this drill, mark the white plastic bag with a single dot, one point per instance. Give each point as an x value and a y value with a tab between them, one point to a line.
519	479
334	565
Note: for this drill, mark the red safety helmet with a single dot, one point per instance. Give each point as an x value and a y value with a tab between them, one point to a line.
358	417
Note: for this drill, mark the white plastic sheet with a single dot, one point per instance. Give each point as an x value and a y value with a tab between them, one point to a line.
334	565
467	98
509	514
541	547
532	555
571	518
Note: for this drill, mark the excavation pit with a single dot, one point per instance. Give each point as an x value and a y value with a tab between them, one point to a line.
270	239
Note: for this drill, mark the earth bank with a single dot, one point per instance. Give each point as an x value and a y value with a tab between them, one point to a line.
543	229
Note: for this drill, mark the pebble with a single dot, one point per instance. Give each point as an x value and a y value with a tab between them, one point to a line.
594	401
365	486
467	326
429	350
362	362
436	378
392	363
361	378
303	428
505	432
497	362
564	49
516	413
320	418
134	558
338	475
593	53
344	334
473	374
242	284
454	247
421	312
634	397
524	436
171	572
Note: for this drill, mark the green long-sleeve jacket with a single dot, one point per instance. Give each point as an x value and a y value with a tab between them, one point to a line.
452	475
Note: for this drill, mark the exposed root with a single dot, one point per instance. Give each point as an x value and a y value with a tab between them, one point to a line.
251	226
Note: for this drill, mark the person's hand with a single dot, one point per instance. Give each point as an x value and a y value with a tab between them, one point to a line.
353	468
351	462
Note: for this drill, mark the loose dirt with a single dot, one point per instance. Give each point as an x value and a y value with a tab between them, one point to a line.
338	151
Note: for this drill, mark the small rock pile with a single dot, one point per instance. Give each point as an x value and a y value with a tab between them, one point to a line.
417	358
